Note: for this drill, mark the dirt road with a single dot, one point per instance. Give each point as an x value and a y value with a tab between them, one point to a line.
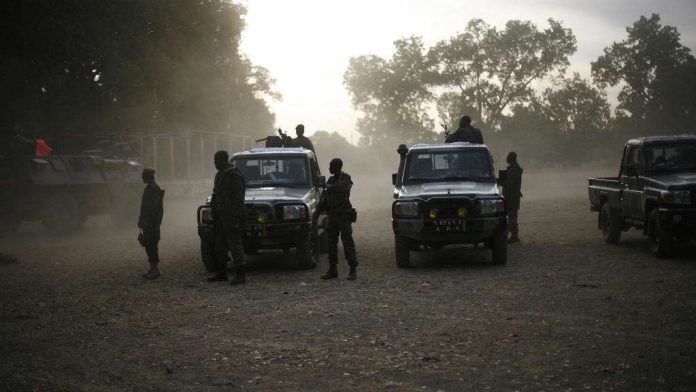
566	313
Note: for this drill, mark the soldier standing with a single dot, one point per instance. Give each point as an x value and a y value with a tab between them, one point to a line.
512	191
151	211
301	140
229	219
341	214
465	133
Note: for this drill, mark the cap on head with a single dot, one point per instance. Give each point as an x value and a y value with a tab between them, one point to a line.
511	157
222	155
299	129
149	172
465	121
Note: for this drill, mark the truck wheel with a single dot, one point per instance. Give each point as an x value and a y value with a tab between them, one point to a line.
660	239
401	251
499	247
61	214
305	256
208	254
610	224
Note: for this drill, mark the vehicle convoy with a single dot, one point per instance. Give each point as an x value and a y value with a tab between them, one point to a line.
62	191
447	194
655	191
283	189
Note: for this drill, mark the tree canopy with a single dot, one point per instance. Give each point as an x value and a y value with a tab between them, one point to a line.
657	75
117	66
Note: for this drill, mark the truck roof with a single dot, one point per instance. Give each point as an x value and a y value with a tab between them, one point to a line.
650	139
276	151
447	146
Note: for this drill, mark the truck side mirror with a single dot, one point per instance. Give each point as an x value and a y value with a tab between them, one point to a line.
502	176
321	181
393	178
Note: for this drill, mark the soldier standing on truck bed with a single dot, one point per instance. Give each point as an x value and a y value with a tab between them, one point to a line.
229	220
301	140
151	211
465	133
512	192
341	214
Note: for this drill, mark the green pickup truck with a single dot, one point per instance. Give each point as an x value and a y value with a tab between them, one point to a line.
655	192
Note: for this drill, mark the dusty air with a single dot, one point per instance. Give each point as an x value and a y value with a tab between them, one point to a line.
338	196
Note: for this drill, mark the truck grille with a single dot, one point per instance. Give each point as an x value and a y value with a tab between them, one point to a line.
447	208
254	210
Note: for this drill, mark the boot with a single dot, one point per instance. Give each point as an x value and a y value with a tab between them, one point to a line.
153	273
220	276
352	275
332	273
239	277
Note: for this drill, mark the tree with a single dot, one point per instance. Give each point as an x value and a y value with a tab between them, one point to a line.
484	71
580	113
391	94
109	67
658	78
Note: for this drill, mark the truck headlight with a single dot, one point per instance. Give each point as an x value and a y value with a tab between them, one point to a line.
294	212
676	197
491	206
406	208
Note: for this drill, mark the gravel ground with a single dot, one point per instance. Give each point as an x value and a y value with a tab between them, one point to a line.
566	313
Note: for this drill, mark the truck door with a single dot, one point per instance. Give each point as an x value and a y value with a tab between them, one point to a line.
632	195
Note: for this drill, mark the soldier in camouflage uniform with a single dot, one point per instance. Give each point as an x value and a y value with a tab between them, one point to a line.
336	203
465	133
229	219
512	191
151	212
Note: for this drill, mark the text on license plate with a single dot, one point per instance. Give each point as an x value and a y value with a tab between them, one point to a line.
449	225
256	231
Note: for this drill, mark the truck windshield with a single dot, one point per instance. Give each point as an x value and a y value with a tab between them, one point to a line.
671	157
274	171
434	166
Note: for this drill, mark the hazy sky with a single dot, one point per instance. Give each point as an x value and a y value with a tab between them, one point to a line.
306	44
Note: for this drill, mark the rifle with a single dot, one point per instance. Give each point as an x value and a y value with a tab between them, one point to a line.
446	133
277	141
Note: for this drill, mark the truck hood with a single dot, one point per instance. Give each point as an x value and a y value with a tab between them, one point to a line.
686	180
272	194
431	189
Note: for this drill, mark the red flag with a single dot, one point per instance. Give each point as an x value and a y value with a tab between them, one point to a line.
42	148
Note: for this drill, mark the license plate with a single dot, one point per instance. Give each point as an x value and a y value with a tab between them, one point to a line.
256	230
449	225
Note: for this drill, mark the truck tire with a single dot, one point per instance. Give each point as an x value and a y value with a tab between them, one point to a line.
660	238
499	247
402	252
305	252
609	224
61	214
208	254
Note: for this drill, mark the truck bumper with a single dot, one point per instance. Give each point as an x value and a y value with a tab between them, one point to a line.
267	235
476	230
681	221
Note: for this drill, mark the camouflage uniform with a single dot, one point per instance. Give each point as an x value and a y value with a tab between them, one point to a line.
151	212
465	134
512	191
304	142
229	216
336	202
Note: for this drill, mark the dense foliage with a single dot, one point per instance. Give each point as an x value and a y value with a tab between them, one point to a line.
98	67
